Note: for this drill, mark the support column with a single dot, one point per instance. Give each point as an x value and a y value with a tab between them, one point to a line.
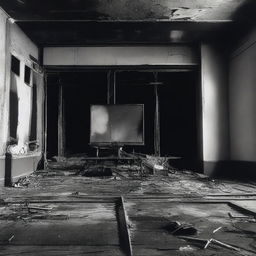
61	124
157	119
111	98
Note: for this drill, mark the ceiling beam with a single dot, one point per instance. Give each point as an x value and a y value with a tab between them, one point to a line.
129	21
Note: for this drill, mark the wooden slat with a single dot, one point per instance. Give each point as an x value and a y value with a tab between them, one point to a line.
122	218
60	250
243	208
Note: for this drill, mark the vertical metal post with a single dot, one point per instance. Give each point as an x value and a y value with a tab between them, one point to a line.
109	87
111	93
157	119
61	134
114	87
45	121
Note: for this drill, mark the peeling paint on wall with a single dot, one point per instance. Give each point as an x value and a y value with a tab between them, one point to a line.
24	95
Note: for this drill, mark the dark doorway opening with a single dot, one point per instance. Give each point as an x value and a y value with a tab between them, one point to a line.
52	115
14	111
179	116
33	124
179	108
81	89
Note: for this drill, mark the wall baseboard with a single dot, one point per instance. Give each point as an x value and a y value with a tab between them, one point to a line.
15	168
230	169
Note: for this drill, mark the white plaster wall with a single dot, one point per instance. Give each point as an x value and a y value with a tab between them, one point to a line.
24	106
119	55
214	105
21	46
4	86
242	77
14	41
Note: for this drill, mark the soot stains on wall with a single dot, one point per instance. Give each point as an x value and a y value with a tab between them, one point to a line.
13	110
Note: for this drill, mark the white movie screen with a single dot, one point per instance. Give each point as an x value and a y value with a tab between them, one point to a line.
122	124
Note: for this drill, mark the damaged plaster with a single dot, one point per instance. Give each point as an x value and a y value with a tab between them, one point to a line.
120	10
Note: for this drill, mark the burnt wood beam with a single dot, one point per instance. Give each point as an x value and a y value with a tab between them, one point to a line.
157	117
61	124
84	32
124	232
111	90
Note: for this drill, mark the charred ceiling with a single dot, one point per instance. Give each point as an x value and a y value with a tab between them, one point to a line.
80	22
87	33
122	10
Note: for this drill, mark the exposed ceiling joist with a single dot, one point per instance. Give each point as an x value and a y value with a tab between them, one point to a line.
88	33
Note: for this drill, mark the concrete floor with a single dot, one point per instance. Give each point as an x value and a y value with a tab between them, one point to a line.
59	213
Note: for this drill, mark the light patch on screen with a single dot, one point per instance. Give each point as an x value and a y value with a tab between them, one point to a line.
117	124
99	120
125	122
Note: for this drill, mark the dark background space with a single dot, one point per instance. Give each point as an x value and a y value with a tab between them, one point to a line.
178	115
85	89
133	87
178	105
52	118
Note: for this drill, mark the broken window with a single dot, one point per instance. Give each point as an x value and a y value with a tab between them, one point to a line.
33	123
15	65
27	75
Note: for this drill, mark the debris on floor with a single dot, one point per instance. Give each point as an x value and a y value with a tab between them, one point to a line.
26	181
29	212
96	171
187	248
178	229
183	212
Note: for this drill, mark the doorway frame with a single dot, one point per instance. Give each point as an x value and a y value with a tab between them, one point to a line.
111	94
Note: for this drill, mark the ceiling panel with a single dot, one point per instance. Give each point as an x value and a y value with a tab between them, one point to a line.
122	10
87	22
89	33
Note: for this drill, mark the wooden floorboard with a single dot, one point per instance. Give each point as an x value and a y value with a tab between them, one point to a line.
83	220
60	250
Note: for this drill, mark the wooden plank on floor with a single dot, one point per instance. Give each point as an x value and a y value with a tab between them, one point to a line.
53	232
61	132
247	207
60	250
91	224
122	218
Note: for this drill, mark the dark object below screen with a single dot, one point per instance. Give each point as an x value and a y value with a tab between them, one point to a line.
117	124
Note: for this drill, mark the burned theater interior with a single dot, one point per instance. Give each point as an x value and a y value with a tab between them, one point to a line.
128	127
